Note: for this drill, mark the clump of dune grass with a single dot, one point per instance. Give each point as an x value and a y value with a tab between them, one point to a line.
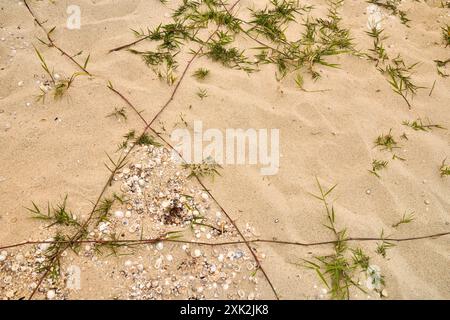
379	53
445	30
399	76
444	169
118	113
58	215
132	138
219	49
208	168
272	21
383	246
202	93
397	72
445	4
406	218
378	165
201	73
147	140
163	60
339	270
58	87
322	38
440	67
386	141
70	233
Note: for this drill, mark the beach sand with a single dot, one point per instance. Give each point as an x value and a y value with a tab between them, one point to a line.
57	148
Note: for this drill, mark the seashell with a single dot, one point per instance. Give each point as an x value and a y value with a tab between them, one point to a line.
103	226
159	246
197	253
51	294
119	214
238	254
128	263
44	246
158	263
7	279
166	203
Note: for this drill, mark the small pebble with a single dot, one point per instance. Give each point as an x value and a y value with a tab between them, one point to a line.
159	246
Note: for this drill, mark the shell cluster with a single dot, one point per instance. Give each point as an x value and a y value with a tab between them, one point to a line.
157	199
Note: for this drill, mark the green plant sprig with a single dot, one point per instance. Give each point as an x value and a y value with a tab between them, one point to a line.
419	125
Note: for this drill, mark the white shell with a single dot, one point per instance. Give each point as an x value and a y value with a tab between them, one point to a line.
51	294
197	253
119	214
